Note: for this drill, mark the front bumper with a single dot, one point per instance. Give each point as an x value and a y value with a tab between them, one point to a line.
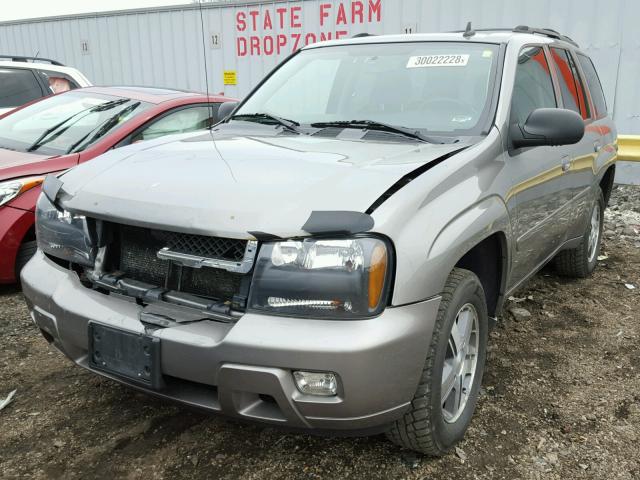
14	225
244	369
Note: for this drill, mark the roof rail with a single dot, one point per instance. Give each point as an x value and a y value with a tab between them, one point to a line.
20	58
547	32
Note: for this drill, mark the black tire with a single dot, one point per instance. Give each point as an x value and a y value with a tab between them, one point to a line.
423	427
27	250
577	262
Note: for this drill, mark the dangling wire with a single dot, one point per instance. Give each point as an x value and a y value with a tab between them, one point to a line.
206	68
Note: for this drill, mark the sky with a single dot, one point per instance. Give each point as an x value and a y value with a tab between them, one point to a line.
17	10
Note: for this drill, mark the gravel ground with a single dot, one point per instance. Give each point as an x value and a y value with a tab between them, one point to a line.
560	399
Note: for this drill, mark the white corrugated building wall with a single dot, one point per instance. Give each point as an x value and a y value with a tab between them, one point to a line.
164	46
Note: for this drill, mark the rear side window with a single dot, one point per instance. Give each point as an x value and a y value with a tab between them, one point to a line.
58	82
573	93
593	82
17	87
533	87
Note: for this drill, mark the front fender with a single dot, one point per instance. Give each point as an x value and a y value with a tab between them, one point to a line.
469	228
448	245
437	218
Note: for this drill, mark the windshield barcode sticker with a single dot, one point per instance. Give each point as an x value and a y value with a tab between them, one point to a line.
438	61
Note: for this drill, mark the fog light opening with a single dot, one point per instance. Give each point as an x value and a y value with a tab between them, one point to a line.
322	384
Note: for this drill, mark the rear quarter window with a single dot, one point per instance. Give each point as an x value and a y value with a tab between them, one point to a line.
594	85
58	82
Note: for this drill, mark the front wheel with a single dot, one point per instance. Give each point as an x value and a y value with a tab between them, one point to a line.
446	397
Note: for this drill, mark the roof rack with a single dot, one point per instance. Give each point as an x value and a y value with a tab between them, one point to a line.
547	32
19	58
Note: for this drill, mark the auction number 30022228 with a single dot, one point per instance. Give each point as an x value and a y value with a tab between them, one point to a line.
438	61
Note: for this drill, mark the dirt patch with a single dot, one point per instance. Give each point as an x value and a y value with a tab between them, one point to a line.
559	400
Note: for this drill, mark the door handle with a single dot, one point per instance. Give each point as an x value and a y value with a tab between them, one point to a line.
566	163
596	146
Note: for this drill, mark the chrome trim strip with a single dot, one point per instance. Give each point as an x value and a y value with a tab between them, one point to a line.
196	261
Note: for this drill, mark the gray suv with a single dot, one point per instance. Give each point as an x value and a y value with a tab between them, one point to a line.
331	256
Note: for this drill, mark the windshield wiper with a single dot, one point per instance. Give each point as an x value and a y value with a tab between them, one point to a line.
106	126
374	125
257	117
98	108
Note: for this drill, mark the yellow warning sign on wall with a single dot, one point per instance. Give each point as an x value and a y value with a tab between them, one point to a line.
230	77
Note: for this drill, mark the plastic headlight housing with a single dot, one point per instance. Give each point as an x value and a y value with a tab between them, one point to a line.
325	278
12	188
63	234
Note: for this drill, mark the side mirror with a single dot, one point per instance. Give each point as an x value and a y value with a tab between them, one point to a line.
226	109
548	126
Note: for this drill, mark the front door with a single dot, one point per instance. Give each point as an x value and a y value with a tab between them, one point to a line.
535	199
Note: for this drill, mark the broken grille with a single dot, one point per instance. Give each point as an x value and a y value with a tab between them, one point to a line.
203	246
138	260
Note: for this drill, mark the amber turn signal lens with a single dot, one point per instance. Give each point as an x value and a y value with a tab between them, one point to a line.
377	273
29	183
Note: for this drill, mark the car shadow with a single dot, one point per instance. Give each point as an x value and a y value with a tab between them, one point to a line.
10	289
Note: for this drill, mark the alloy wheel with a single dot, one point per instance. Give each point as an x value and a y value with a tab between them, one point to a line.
594	233
460	363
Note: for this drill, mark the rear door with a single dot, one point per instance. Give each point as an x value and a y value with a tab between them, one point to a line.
18	86
604	149
535	198
578	158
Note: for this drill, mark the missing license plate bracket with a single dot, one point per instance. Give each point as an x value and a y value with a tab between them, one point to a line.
131	355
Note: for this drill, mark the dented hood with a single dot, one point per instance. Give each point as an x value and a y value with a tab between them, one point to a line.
227	185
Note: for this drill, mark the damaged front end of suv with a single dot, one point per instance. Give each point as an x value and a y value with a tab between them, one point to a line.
268	269
330	255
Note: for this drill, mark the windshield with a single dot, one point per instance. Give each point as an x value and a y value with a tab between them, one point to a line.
66	123
440	87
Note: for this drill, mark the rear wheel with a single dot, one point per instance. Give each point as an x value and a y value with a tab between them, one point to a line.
27	250
446	397
581	261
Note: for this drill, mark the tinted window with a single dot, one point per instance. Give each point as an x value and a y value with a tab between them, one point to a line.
436	86
571	88
533	87
17	87
181	121
593	82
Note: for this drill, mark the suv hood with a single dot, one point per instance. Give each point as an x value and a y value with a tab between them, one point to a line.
236	184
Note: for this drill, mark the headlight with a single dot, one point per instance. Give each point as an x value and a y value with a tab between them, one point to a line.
63	234
12	188
346	278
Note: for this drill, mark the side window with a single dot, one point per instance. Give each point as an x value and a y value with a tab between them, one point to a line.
181	121
533	87
571	88
58	82
593	82
17	87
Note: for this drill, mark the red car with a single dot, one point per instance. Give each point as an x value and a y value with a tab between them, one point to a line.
58	132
